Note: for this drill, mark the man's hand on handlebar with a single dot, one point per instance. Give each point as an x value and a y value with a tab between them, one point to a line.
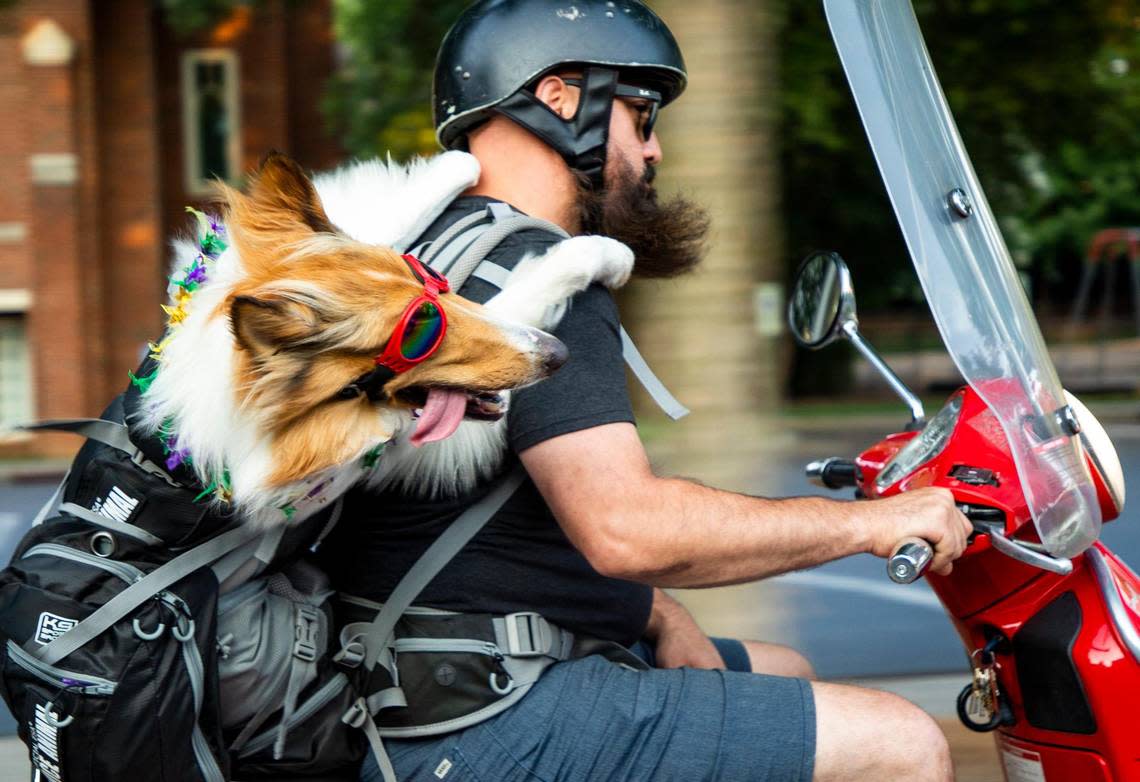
928	513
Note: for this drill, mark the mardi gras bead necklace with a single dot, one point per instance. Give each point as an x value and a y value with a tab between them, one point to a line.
211	244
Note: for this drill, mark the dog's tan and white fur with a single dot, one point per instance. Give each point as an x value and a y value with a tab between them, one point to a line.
299	305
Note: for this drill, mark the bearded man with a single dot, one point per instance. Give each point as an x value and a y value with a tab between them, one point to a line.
558	104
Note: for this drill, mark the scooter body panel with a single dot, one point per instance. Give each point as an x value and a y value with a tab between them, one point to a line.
1025	761
1068	675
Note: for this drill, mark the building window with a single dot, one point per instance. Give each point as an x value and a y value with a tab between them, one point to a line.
15	372
211	121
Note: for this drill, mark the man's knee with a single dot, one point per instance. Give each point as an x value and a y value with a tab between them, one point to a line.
866	734
778	660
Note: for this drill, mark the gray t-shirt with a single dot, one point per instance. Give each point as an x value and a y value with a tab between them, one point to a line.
522	560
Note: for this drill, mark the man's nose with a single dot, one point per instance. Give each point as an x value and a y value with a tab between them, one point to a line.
651	151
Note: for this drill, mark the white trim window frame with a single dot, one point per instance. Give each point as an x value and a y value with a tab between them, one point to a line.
17	394
210	96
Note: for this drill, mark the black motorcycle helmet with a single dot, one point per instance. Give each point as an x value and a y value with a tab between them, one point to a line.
498	49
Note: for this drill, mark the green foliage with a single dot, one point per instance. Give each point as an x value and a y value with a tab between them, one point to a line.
1046	97
188	16
381	101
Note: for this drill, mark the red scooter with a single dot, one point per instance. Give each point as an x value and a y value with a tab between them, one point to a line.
1049	616
1054	642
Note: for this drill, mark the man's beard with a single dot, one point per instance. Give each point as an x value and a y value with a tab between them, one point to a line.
667	239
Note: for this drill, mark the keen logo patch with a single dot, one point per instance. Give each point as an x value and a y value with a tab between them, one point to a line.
442	769
51	627
44	735
117	505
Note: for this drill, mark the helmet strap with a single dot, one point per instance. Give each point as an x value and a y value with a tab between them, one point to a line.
580	140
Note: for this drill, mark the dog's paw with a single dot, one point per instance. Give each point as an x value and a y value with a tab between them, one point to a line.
611	261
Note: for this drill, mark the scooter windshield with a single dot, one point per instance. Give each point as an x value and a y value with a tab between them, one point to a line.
962	261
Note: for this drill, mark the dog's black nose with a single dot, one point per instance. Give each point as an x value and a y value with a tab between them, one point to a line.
554	353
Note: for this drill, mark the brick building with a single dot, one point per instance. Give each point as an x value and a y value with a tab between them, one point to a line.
112	124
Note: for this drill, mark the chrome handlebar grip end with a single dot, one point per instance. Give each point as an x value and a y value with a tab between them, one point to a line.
814	471
909	561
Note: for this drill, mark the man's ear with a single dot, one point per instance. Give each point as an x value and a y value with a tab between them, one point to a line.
280	185
557	96
264	325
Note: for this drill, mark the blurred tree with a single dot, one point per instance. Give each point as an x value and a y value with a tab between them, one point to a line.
381	100
1046	97
187	16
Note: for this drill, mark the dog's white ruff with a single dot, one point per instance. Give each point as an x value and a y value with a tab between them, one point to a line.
376	203
383	203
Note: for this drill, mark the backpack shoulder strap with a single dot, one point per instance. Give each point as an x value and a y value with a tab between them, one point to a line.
461	252
112	433
375	639
442	550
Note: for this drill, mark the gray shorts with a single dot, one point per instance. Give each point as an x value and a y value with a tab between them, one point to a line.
590	720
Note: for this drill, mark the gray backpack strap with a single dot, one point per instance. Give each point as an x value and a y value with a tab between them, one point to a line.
649	381
121	527
110	433
490	238
493	273
139	592
439	553
440	253
53	501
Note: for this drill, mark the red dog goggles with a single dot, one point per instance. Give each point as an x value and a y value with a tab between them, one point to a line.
421	328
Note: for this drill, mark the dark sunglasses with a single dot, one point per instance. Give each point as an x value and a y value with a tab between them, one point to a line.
631	91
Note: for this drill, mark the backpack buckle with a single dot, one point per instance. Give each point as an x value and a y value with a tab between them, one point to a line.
528	634
356	715
305	632
351	655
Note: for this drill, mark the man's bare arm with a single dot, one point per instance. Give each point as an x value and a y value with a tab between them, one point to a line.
672	532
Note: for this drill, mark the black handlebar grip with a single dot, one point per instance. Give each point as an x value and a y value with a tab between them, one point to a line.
833	473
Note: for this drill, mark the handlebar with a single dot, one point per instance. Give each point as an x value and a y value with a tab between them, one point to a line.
910	560
833	473
912	556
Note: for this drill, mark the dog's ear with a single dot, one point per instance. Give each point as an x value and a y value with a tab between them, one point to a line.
280	185
267	324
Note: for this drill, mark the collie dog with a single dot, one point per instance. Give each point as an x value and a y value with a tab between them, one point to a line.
255	379
280	308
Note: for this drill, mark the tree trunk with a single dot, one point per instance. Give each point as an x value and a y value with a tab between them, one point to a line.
709	335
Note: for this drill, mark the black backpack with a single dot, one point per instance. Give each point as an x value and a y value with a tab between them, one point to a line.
180	683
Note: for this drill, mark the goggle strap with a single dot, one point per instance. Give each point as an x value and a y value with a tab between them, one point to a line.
433	281
372	384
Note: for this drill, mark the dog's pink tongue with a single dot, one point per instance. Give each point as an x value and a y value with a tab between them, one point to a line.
443	411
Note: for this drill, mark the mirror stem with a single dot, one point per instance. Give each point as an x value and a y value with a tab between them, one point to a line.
851	331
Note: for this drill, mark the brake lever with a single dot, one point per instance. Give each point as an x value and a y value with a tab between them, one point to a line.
912	557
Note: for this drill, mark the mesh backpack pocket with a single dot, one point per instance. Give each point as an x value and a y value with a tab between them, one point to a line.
282	697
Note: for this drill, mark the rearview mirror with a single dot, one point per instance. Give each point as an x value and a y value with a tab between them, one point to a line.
822	301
